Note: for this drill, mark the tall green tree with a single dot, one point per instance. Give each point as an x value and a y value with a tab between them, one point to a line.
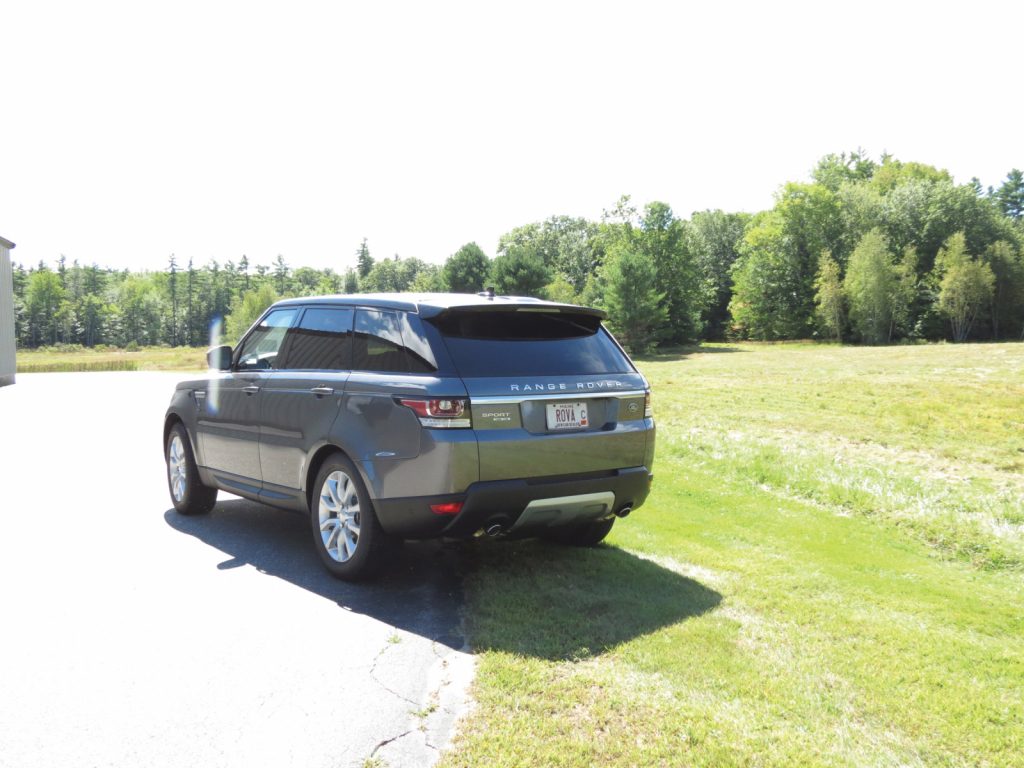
243	271
1010	195
93	314
1007	305
560	290
466	270
305	280
364	261
714	241
965	286
328	283
663	239
190	320
351	281
636	310
44	296
871	286
833	171
520	274
829	297
384	277
172	295
281	275
906	293
409	270
891	173
568	246
246	310
429	279
139	311
770	298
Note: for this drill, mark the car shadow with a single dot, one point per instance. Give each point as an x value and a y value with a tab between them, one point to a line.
544	600
528	597
420	592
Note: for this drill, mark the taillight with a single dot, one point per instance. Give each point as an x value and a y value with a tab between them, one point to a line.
450	508
440	413
648	408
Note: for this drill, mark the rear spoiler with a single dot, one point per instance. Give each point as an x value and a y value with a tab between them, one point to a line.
527	305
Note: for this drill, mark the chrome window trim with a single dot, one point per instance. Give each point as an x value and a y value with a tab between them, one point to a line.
567	394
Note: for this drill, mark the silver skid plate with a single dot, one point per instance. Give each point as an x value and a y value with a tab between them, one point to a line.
564	510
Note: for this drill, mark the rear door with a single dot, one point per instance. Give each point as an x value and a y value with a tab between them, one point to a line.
384	367
551	392
300	400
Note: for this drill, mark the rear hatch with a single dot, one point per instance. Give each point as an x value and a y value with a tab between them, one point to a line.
551	393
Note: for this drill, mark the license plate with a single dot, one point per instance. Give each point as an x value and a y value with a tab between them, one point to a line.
567	416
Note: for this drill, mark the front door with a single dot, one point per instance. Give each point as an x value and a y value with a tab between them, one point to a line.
228	428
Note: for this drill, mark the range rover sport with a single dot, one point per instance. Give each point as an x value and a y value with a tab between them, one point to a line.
399	416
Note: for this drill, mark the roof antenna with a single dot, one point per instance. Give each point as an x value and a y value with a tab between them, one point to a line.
488	292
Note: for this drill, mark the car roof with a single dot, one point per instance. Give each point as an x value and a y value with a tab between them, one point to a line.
432	304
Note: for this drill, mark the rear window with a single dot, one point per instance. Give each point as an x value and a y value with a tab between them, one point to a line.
379	345
529	343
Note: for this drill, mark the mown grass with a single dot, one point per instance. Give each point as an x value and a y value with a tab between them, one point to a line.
828	572
929	438
74	358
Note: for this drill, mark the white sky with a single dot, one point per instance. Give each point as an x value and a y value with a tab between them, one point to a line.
135	130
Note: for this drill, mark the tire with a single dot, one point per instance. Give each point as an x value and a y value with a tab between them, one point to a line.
585	535
188	494
357	547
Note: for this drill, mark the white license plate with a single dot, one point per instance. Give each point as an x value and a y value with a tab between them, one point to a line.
567	416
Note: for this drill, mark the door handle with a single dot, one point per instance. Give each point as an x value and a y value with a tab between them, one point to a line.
321	391
252	389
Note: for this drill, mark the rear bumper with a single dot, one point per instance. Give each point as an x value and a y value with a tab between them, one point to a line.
503	502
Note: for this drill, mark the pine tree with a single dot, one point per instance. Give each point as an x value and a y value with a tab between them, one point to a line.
364	261
172	290
1010	195
190	324
635	308
280	275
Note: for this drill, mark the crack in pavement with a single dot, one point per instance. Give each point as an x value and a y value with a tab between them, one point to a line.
385	742
432	720
373	670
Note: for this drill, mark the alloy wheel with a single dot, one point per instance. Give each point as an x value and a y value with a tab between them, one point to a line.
176	468
339	516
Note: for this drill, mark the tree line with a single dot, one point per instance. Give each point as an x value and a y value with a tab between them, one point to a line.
865	251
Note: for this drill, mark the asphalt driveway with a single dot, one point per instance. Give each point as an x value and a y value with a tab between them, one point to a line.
130	635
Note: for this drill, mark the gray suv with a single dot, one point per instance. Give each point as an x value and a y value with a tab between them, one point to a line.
399	416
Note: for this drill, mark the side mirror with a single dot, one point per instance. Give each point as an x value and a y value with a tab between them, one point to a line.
219	358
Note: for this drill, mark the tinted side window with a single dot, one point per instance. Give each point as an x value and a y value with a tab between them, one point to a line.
378	345
260	348
322	341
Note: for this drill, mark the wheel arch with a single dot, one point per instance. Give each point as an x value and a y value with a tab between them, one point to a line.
316	461
170	420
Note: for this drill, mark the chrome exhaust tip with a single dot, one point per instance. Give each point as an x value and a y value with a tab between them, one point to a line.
496	526
624	510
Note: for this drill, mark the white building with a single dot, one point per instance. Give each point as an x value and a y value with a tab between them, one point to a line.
7	345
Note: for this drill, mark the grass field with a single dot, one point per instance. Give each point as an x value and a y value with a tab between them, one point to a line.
829	571
111	359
